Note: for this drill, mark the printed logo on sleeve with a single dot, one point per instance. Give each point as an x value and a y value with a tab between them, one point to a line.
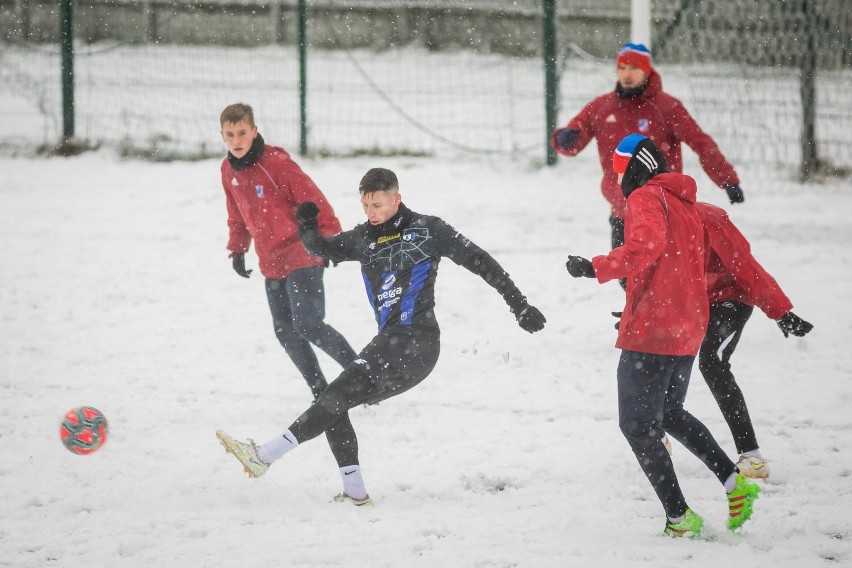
463	239
259	190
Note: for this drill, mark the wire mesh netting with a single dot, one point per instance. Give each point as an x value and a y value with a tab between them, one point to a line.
163	99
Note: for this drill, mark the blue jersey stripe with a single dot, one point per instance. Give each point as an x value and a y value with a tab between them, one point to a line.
419	275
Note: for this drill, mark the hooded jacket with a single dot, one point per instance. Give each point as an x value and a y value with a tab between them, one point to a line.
262	197
733	274
655	114
663	259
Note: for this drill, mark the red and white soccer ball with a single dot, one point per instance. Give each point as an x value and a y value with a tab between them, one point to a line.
83	430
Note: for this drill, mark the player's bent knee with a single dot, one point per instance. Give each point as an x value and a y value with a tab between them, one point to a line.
347	391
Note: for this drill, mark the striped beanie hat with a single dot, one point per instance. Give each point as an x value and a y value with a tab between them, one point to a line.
635	54
624	152
638	159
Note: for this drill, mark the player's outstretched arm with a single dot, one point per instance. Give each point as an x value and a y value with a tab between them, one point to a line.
529	317
332	248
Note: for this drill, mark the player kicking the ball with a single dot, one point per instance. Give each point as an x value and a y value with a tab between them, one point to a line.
399	251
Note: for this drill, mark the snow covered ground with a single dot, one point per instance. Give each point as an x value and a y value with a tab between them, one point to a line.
117	293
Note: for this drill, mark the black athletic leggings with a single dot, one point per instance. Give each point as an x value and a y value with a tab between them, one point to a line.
396	360
651	392
727	320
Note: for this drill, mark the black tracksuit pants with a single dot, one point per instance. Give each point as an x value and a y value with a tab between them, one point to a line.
727	320
651	392
396	360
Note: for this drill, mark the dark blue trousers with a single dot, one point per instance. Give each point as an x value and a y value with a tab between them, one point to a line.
651	392
297	304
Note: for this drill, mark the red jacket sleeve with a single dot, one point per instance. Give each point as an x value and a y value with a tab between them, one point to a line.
645	231
583	123
732	248
688	131
239	238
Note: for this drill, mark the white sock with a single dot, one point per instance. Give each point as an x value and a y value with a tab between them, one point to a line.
755	452
731	482
677	520
353	483
275	448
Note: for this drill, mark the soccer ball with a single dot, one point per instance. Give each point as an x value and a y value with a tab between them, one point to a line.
83	430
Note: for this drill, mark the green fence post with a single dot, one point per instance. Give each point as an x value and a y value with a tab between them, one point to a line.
807	90
66	15
303	77
551	81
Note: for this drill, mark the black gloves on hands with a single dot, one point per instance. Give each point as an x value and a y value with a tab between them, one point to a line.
580	267
735	193
530	319
306	215
566	138
791	323
239	263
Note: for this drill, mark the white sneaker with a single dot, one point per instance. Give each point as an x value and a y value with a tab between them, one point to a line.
753	466
246	452
346	498
667	443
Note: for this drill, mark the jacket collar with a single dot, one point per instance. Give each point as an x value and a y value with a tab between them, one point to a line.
396	223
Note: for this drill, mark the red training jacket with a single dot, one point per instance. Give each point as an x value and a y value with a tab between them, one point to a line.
683	128
663	259
262	201
655	114
732	272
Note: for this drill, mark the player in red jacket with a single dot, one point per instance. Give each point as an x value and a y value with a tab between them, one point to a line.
263	187
662	327
639	105
736	283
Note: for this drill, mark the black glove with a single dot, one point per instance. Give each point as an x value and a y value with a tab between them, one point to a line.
306	215
617	315
566	138
791	323
239	264
735	192
530	319
580	267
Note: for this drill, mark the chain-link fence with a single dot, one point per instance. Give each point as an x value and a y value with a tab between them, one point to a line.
416	77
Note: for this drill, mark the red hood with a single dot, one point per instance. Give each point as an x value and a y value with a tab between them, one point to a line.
654	86
680	185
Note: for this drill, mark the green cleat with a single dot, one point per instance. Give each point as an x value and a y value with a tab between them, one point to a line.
741	502
689	527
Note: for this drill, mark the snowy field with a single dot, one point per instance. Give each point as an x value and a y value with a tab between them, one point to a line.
117	293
